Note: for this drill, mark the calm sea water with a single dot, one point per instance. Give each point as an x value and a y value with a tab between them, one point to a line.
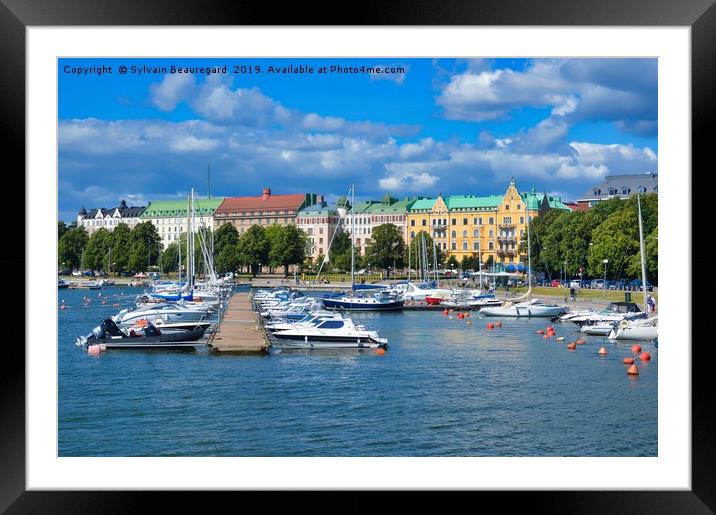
443	388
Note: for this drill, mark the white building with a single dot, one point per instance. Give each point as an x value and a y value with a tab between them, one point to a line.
170	217
97	218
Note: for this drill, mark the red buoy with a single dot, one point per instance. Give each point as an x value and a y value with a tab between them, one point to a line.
633	371
580	341
628	361
645	356
490	325
571	346
636	348
498	324
445	312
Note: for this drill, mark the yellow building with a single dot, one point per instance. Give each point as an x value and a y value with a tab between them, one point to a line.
467	225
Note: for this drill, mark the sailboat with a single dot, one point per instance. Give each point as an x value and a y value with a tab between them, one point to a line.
637	329
529	307
378	301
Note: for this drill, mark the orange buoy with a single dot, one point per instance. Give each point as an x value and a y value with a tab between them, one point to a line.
498	324
628	361
550	328
633	371
445	312
460	315
115	305
602	351
580	341
102	347
546	336
571	346
636	348
645	356
490	325
467	314
380	351
540	331
94	350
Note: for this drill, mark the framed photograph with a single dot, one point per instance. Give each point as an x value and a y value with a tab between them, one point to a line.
394	257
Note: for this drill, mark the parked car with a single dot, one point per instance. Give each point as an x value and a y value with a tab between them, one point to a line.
555	283
636	285
65	271
154	275
77	273
597	284
88	273
575	283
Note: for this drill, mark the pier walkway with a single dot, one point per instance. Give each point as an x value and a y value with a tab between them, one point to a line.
240	331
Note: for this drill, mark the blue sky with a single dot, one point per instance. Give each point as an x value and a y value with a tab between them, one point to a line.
450	126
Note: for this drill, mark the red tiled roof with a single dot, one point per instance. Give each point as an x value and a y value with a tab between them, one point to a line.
274	202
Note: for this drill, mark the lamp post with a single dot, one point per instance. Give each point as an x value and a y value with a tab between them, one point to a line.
604	285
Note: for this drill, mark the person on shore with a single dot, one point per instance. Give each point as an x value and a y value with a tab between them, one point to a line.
573	294
651	303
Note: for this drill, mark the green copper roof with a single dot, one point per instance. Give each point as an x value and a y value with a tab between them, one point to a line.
423	203
533	201
460	202
177	208
318	210
473	201
387	205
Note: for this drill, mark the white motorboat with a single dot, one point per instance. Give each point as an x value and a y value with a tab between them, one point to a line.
417	292
467	299
635	330
329	334
311	319
167	311
530	308
598	329
615	312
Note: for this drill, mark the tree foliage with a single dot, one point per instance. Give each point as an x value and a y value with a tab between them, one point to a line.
610	230
144	247
253	248
386	249
288	247
70	246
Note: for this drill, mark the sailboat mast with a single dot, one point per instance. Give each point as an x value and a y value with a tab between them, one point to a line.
642	255
409	243
529	253
435	264
353	236
479	252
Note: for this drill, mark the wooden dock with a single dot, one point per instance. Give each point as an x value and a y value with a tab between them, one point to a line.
240	330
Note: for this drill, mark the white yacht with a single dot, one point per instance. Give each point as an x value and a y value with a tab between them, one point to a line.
329	334
635	330
530	308
615	312
166	311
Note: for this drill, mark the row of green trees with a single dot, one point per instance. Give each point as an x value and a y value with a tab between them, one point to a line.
610	230
122	249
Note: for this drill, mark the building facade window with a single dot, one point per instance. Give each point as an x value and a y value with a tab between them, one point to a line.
491	246
491	220
464	245
475	245
454	234
454	246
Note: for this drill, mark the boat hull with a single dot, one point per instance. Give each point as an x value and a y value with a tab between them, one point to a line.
634	333
527	311
362	306
325	342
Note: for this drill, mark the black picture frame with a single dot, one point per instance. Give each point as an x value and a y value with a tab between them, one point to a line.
700	15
